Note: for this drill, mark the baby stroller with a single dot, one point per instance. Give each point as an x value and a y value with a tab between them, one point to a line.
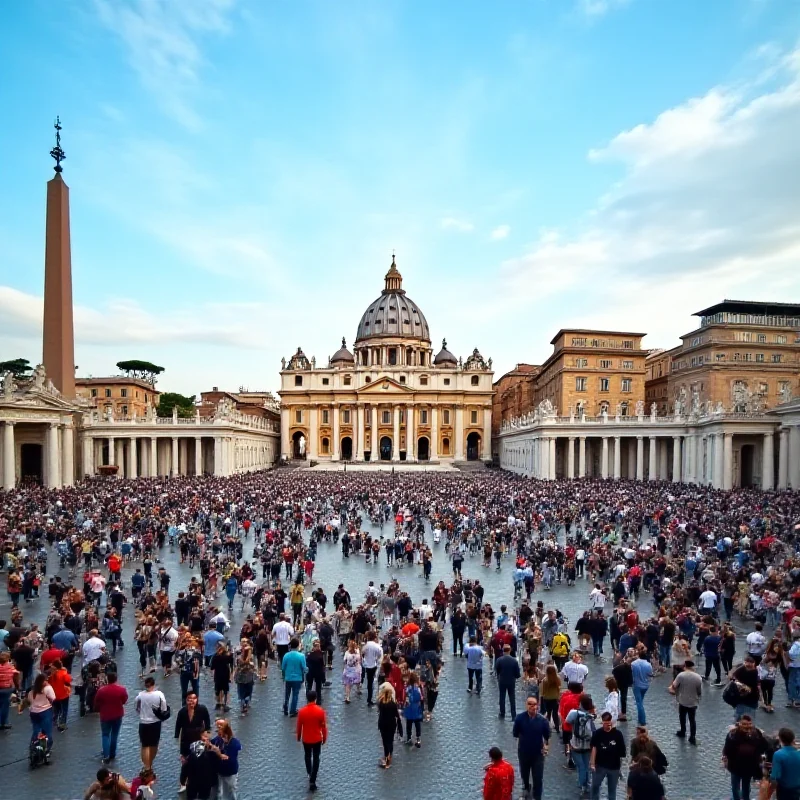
39	752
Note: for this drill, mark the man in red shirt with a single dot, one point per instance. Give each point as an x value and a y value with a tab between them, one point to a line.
498	782
109	702
312	731
50	655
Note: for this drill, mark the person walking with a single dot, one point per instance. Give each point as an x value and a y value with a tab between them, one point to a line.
371	656
643	782
244	675
61	681
109	702
389	722
605	761
9	683
227	747
532	732
41	697
687	688
315	677
412	710
351	669
785	773
508	673
149	703
192	724
642	671
475	655
293	668
583	727
312	731
550	694
498	778
741	756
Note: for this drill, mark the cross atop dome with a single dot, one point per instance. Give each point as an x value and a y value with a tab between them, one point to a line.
393	278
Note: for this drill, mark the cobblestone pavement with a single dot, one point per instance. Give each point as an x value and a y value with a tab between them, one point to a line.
454	744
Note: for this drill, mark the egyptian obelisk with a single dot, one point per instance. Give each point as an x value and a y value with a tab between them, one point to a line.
58	339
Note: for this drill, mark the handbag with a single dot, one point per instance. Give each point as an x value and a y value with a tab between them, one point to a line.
161	713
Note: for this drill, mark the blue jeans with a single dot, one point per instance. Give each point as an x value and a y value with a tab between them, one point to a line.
291	688
188	679
600	774
61	711
597	646
638	696
740	787
42	722
665	655
793	684
581	759
110	733
5	705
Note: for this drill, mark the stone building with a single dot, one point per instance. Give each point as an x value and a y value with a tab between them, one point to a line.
514	394
122	395
391	398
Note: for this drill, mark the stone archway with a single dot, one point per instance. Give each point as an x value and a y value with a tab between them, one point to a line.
423	449
386	448
299	445
347	448
473	446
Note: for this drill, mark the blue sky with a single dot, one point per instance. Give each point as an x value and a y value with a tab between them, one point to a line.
241	171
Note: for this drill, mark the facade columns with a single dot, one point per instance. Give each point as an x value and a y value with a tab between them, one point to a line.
358	431
663	469
459	434
119	445
689	474
552	459
52	457
434	433
87	462
173	462
133	459
727	462
783	459
768	463
217	456
285	443
198	455
154	457
652	457
396	433
604	459
704	459
676	459
336	452
582	457
794	456
640	458
571	457
411	434
68	456
375	446
486	440
313	432
617	458
719	463
9	457
111	451
544	472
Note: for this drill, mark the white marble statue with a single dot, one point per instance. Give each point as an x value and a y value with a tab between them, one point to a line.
785	392
639	408
695	401
38	377
301	446
8	385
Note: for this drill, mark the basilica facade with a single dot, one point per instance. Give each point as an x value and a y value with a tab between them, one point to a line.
390	399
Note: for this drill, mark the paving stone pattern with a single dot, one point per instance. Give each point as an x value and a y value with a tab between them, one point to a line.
454	745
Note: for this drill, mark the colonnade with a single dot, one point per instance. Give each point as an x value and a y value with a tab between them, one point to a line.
57	440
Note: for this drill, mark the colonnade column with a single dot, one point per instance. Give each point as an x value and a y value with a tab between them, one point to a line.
794	456
486	440
285	443
676	459
571	457
173	464
335	451
434	433
552	473
119	445
459	434
217	455
198	455
582	457
719	461
52	456
663	469
544	458
768	463
652	468
87	462
313	432
154	457
783	459
411	436
68	457
359	432
640	458
111	451
9	457
604	459
133	460
704	459
617	458
375	453
727	462
396	433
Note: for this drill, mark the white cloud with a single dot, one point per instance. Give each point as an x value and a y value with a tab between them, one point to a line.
598	8
500	232
162	38
455	224
707	209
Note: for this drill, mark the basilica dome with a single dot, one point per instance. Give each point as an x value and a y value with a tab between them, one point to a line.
393	314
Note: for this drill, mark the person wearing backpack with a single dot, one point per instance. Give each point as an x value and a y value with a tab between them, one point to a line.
559	649
583	726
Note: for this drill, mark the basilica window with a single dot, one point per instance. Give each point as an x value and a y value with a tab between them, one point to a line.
402	379
123	392
298	416
446	416
324	416
347	380
423	381
386	417
346	416
124	411
475	380
298	380
325	381
473	417
447	381
392	356
423	416
368	379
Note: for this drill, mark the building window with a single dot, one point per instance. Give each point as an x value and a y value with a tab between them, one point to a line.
137	395
298	416
447	381
626	384
124	411
392	356
324	416
604	407
784	387
108	392
325	444
603	384
94	392
325	381
386	417
737	356
123	392
760	357
446	416
298	380
423	416
347	380
627	365
473	417
761	338
780	338
744	336
627	344
580	384
777	358
368	379
402	379
748	356
423	381
579	342
719	356
696	341
763	388
624	409
346	416
605	363
475	380
581	362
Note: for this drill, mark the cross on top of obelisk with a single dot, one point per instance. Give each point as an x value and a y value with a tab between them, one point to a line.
57	153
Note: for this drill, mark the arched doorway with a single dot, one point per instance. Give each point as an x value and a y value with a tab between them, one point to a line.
386	448
473	446
31	463
423	449
298	445
347	449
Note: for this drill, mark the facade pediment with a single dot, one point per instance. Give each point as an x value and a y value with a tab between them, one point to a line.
38	401
384	387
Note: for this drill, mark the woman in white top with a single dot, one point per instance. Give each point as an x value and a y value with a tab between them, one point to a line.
147	701
612	698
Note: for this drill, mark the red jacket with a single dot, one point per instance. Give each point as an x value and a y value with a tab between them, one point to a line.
312	726
498	782
568	702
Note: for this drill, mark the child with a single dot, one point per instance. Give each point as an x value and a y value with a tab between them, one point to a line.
143	785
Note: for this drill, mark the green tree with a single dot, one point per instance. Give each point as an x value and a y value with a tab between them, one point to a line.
18	366
145	370
169	400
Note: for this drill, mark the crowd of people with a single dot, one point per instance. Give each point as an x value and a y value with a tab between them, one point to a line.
667	572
